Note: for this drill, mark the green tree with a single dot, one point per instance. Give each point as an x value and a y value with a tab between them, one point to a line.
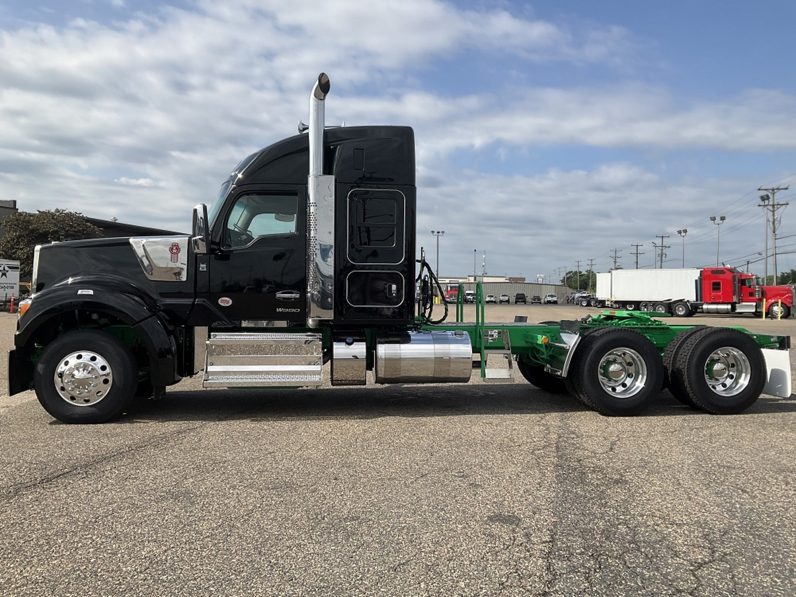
588	280
787	277
22	231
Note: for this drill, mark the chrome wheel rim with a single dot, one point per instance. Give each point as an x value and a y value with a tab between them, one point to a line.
83	378
727	371
622	372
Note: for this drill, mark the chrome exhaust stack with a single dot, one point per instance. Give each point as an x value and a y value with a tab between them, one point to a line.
317	122
320	215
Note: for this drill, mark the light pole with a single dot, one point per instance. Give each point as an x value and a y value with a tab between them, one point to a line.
437	233
682	234
718	221
475	254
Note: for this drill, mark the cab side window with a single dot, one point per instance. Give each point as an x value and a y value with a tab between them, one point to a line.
258	215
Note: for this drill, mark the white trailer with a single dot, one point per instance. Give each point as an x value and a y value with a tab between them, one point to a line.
628	288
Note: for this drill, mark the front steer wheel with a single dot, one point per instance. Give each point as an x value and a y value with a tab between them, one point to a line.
616	372
778	311
85	376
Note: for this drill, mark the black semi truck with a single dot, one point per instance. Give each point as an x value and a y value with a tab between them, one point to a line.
307	257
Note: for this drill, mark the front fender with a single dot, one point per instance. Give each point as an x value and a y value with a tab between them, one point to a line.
131	310
51	303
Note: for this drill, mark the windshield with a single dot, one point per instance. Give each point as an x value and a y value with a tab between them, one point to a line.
212	214
216	207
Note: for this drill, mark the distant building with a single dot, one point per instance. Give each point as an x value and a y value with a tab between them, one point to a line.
7	208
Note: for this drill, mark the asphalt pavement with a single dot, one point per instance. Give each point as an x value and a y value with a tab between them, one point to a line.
473	489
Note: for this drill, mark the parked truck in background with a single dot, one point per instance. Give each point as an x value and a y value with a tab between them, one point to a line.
305	267
684	292
452	294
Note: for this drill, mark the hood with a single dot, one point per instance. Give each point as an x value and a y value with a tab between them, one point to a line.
143	261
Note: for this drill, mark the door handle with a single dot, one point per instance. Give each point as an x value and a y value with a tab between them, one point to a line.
288	295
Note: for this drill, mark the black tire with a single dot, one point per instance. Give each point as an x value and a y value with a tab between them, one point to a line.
640	372
629	306
584	302
574	391
570	382
746	375
660	308
772	311
673	379
537	376
644	307
109	362
681	309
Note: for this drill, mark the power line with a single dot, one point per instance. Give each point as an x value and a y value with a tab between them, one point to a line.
769	201
636	252
615	257
662	247
591	269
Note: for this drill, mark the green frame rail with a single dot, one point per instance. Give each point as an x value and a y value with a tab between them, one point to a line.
543	344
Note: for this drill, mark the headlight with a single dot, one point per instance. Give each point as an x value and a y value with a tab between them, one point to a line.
23	307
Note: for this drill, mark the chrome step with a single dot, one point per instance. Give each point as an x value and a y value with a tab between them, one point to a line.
235	360
498	363
501	371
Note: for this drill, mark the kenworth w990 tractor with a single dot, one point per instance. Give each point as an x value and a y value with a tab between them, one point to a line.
307	258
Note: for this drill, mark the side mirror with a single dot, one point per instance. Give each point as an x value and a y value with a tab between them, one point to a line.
200	234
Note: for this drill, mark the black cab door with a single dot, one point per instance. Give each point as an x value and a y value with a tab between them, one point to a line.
258	275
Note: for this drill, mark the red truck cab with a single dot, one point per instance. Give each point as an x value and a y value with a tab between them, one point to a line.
452	294
728	286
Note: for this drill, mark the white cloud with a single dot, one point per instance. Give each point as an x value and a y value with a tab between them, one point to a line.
137	182
141	119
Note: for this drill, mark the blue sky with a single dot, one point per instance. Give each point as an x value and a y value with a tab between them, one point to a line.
547	132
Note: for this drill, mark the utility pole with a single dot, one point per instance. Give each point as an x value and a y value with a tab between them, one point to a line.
475	277
773	206
578	274
718	222
615	257
662	247
437	233
591	269
682	234
636	252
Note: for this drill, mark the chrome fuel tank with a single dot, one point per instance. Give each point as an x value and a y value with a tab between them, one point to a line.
424	357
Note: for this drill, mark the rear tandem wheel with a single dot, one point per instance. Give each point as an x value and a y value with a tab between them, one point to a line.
722	370
615	371
673	379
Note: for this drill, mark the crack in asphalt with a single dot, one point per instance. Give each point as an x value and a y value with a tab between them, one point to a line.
83	467
16	490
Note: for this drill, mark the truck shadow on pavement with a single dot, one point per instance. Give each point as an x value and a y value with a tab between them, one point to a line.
391	401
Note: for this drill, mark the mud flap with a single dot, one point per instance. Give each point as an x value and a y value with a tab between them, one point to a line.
778	375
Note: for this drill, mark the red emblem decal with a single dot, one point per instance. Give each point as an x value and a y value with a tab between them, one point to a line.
174	249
